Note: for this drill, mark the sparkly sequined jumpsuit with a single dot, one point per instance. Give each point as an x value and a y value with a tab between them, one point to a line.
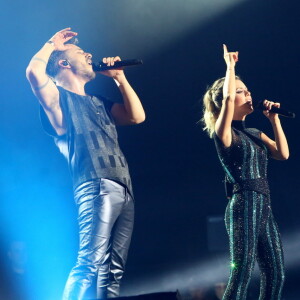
253	232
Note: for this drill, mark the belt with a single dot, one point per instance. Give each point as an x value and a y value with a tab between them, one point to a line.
259	185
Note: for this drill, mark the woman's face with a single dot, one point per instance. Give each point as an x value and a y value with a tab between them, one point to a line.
243	101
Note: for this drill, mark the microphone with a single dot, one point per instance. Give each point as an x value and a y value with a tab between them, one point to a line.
99	67
276	110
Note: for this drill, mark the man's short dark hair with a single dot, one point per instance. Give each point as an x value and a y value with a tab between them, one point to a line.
53	68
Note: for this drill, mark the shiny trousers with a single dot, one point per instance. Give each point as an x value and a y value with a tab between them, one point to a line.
105	217
253	236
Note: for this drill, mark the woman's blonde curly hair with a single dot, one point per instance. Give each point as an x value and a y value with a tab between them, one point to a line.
212	103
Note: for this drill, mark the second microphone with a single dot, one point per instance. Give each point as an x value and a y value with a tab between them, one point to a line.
99	67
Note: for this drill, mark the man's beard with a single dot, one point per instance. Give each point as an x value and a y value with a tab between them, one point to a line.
89	75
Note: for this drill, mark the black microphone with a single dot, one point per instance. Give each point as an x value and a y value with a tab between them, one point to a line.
101	66
276	110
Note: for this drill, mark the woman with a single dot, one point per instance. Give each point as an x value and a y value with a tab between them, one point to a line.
243	153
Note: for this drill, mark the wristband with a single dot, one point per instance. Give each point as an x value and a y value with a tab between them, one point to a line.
50	42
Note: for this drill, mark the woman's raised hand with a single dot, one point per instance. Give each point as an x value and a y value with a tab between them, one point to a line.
230	57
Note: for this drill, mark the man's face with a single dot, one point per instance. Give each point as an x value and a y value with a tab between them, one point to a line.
80	62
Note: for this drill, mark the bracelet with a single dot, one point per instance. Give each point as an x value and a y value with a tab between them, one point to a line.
50	42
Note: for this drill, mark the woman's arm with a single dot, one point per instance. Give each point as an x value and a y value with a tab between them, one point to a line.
279	148
223	123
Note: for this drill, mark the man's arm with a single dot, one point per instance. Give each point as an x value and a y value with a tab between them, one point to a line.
42	86
131	111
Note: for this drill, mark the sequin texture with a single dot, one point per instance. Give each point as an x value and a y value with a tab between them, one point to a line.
253	232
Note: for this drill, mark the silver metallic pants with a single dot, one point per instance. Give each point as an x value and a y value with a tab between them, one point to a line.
105	216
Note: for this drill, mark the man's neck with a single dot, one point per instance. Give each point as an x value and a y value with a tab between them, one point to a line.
72	84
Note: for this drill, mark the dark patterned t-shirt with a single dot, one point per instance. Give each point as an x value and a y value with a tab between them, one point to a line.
247	156
90	144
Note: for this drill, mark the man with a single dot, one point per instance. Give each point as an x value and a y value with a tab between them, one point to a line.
84	130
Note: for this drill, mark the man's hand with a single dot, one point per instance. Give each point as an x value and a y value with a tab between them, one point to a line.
61	37
117	73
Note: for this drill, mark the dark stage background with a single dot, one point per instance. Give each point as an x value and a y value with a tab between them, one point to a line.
177	177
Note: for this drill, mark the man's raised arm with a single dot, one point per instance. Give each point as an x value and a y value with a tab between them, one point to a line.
42	86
